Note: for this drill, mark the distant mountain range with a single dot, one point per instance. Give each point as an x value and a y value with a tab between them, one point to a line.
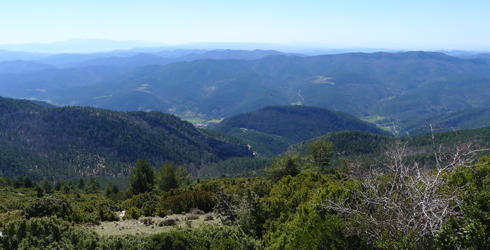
16	67
212	85
6	55
134	58
152	59
104	45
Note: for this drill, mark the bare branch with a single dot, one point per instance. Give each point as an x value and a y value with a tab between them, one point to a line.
409	198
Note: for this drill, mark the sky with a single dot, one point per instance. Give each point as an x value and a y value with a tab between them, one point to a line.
415	24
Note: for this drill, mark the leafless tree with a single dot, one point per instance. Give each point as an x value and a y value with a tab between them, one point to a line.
397	197
224	207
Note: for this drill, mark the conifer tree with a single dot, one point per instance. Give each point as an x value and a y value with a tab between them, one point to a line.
166	177
46	185
142	178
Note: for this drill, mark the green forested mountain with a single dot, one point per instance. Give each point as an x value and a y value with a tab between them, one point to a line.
357	143
15	67
81	141
163	58
242	166
389	85
36	84
346	143
270	130
457	120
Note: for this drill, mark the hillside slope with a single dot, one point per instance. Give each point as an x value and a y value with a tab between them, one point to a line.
82	141
19	66
356	143
270	130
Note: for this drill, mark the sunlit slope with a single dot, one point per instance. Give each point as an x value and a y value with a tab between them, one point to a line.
270	130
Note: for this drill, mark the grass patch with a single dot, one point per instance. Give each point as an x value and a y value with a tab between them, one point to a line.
194	120
323	79
139	227
384	123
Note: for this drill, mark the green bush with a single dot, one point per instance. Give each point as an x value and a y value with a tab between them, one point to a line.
45	233
140	199
103	210
132	213
54	233
184	202
93	218
148	208
60	207
471	231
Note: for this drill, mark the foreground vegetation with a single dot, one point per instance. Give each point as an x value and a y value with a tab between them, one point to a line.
391	202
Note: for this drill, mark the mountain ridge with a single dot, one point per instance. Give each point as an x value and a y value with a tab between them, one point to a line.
272	129
378	84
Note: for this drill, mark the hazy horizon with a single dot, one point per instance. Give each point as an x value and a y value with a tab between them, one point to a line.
97	45
414	25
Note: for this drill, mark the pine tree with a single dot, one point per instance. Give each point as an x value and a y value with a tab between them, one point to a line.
142	178
166	177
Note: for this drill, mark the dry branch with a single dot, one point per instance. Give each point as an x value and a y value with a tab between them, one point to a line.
398	197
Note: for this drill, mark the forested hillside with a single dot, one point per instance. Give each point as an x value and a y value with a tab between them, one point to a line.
272	129
15	67
457	120
69	142
363	145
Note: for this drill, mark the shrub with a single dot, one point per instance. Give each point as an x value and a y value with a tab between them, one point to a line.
93	218
54	233
132	213
140	199
105	212
53	206
36	230
3	209
186	201
148	208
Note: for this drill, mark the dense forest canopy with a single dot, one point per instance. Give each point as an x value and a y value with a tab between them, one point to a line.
272	129
71	142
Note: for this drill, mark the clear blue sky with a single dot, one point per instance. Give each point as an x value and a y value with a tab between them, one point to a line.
412	24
